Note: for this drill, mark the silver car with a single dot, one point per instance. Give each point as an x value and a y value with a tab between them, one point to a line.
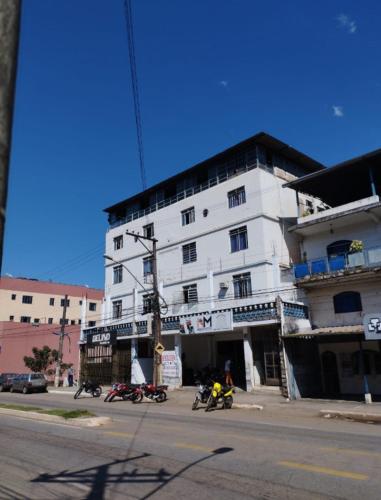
29	382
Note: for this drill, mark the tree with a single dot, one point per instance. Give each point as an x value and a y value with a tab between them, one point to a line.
42	359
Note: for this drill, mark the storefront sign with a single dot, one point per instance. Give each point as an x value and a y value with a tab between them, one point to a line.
372	326
105	338
206	323
170	367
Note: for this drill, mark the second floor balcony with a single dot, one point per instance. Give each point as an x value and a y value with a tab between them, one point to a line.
334	266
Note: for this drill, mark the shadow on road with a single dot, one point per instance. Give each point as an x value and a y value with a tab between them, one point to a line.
99	477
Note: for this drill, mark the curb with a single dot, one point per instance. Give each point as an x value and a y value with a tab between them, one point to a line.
368	418
78	422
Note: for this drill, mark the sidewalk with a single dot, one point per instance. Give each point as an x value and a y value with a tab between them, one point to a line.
273	402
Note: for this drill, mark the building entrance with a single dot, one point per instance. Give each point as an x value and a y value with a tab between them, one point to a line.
232	350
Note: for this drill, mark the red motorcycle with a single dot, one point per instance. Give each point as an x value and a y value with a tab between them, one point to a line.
122	391
150	391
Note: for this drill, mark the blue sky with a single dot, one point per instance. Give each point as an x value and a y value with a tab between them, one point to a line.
211	73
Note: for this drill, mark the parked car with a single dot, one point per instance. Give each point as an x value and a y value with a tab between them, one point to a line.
29	382
6	381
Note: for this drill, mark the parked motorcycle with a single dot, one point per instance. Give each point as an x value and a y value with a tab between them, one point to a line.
202	395
89	387
124	391
220	394
150	391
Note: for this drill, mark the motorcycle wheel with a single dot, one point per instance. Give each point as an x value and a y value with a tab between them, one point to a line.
195	404
228	403
111	398
107	397
97	392
77	394
162	396
136	398
209	404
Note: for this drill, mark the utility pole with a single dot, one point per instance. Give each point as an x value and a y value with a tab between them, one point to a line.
9	38
60	346
157	368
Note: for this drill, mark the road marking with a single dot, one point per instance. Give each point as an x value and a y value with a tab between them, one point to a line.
324	470
351	452
119	434
245	438
193	447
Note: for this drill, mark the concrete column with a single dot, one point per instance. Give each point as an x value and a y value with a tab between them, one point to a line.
211	289
83	315
248	354
134	361
178	351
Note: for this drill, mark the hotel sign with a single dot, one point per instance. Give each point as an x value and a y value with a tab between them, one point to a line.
105	338
206	323
372	326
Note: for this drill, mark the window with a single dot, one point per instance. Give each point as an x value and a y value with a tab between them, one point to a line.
118	274
117	309
79	321
50	321
92	323
187	216
51	301
63	302
118	242
25	319
13	296
148	231
147	266
147	304
36	321
190	294
242	285
27	299
80	302
92	306
66	321
346	302
72	322
189	253
237	197
238	239
11	318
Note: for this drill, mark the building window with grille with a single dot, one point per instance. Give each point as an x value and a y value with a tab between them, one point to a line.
117	309
189	253
25	319
92	323
190	294
13	296
238	239
51	301
148	231
147	304
27	299
92	306
118	274
62	321
147	266
36	321
237	197
11	318
187	216
67	302
50	321
242	285
118	242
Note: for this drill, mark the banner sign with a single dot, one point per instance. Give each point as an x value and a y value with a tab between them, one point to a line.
206	323
105	338
169	364
372	326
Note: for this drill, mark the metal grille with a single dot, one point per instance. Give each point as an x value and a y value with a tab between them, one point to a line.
237	197
189	253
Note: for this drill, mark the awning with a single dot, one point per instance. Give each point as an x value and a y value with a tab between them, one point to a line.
330	330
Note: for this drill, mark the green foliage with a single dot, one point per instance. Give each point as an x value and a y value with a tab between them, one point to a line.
42	359
356	246
59	412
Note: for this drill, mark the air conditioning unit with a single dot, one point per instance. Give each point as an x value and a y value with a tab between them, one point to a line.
224	285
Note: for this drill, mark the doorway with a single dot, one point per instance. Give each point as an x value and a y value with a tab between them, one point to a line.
233	350
330	373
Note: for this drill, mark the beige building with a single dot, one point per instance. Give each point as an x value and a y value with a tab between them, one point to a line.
37	302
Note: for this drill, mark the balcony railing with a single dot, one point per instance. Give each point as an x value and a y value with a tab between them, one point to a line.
325	265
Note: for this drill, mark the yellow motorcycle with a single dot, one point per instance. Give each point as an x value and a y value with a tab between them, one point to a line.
220	394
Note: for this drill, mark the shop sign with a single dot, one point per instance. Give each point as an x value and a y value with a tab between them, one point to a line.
105	338
372	326
206	323
170	366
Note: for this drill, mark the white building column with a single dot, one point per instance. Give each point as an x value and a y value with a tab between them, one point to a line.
178	351
248	355
83	315
135	368
211	289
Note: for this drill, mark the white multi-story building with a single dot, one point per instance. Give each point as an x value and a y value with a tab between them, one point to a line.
224	257
340	273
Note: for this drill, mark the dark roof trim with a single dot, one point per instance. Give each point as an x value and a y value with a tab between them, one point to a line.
261	138
348	163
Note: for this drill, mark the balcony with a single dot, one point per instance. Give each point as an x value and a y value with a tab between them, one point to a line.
338	265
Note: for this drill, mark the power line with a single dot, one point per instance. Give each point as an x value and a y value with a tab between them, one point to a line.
135	88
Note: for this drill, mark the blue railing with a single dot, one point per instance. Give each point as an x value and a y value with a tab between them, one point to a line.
324	265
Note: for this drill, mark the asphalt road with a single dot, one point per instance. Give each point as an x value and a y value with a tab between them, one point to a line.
159	451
